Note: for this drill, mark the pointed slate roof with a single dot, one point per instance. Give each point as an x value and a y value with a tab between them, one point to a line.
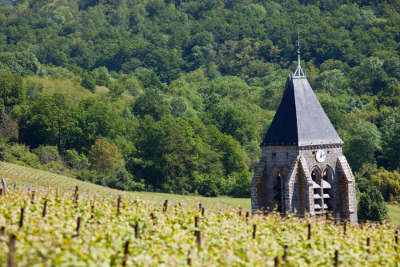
300	119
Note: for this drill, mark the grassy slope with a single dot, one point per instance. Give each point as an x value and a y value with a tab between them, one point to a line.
25	176
394	213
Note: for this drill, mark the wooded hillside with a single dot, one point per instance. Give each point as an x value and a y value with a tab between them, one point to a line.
176	95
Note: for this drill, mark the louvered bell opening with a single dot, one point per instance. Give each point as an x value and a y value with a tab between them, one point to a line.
325	206
317	196
326	196
315	185
317	206
326	185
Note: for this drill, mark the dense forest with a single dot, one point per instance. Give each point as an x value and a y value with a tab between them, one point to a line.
175	96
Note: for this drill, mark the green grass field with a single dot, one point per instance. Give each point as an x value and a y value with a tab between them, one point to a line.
394	213
25	176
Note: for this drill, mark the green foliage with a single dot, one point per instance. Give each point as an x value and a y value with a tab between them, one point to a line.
388	183
75	160
371	205
105	156
23	62
116	90
391	139
179	155
152	103
47	154
12	91
121	179
362	141
89	82
20	154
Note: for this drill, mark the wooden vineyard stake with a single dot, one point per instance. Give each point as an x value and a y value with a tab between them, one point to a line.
247	216
285	253
78	227
240	213
309	231
44	208
1	191
165	205
368	245
126	252
92	211
4	184
33	197
11	251
336	259
137	230
197	233
2	231
118	205
189	260
76	195
396	239
202	212
21	218
254	231
196	221
200	206
345	228
153	218
276	261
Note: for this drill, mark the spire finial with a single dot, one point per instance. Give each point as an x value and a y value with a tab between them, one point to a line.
299	71
298	49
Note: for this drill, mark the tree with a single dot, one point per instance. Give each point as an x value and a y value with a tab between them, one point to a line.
89	82
333	81
24	62
362	141
105	156
121	179
152	103
116	90
233	119
391	139
371	205
11	90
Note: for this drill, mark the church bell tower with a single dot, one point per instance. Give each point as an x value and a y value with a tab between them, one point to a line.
302	167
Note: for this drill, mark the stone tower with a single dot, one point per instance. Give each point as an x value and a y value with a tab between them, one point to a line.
302	167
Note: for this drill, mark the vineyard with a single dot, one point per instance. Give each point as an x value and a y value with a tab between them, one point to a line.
50	227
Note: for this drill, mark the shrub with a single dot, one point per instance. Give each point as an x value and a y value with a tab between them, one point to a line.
207	186
371	205
105	156
89	82
121	179
54	166
75	160
47	154
240	184
20	154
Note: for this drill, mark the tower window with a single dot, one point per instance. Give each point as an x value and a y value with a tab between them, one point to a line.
273	154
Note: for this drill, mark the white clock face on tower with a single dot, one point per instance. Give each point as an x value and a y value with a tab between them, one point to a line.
320	156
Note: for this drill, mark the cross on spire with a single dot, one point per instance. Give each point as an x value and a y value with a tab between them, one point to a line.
299	73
